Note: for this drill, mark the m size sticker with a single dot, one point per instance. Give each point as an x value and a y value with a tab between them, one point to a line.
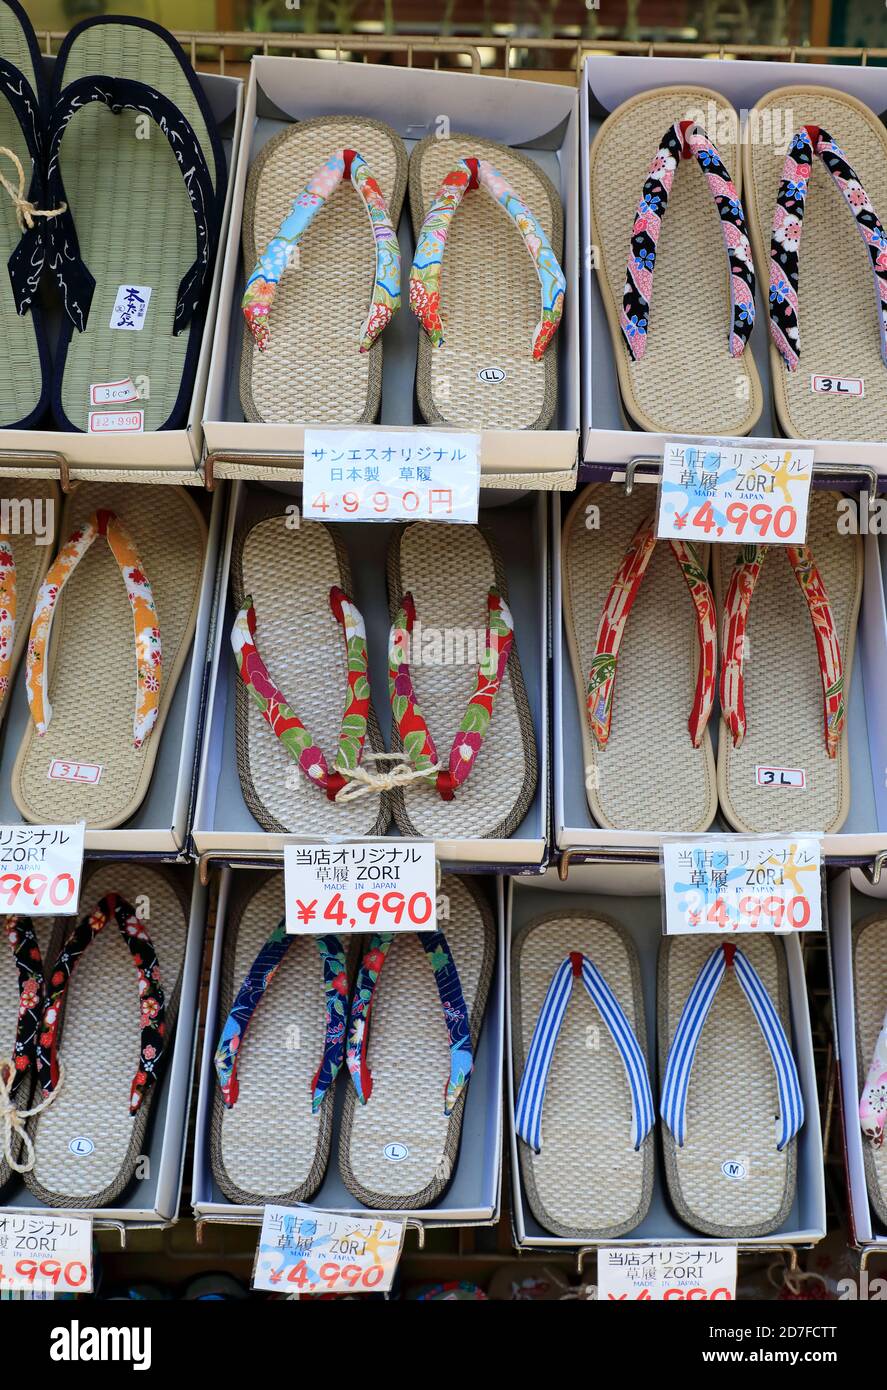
62	771
116	422
838	385
781	777
131	307
114	392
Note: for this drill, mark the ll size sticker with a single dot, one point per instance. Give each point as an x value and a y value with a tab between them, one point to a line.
794	777
113	392
838	385
131	307
116	422
492	374
62	771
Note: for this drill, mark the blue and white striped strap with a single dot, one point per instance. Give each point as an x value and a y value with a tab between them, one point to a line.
531	1093
676	1083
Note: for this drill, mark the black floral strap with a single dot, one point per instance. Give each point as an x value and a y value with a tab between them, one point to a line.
32	991
75	280
26	263
785	239
151	998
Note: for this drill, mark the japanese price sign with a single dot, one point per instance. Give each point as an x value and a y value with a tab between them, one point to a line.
45	1253
304	1251
388	886
724	493
397	475
725	884
40	868
667	1273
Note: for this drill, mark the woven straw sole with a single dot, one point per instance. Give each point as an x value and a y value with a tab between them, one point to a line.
31	563
92	657
627	787
135	224
99	1044
732	1106
269	1147
587	1181
838	312
289	575
489	295
783	688
9	1007
870	997
686	382
449	571
313	370
408	1056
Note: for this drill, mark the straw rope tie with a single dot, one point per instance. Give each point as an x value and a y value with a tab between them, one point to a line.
360	783
25	211
12	1118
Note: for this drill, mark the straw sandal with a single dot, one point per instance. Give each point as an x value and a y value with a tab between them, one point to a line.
870	998
587	1087
635	636
449	584
22	997
272	1115
120	598
785	691
23	564
93	1034
487	357
284	584
680	357
730	1098
134	251
834	174
311	350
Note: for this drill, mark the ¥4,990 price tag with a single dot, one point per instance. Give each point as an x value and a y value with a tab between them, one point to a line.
722	493
45	1253
725	884
304	1251
667	1273
386	886
391	475
40	869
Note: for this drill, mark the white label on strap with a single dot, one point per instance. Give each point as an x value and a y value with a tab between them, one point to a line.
692	1272
723	884
116	422
781	777
62	770
838	385
131	307
113	392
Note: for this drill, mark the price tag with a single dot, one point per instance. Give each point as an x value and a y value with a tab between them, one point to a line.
387	886
40	868
396	475
692	1273
726	884
304	1251
45	1253
725	493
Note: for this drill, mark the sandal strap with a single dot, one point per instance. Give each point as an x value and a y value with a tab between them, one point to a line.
8	602
152	1002
146	625
425	275
25	265
686	140
75	280
682	1053
415	736
788	222
32	993
283	720
873	1101
280	253
250	995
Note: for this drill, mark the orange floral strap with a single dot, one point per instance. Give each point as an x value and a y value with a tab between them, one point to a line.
144	620
7	616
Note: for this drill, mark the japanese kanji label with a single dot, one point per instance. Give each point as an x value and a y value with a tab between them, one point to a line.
40	868
389	886
306	1251
667	1273
407	475
722	884
45	1253
724	493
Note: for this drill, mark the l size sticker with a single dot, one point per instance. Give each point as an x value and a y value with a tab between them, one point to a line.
781	777
838	385
116	422
62	771
131	307
114	392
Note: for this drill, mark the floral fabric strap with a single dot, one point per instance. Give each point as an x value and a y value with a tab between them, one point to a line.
250	995
686	140
25	265
418	745
152	1003
425	275
284	722
785	239
873	1101
146	627
7	615
32	992
449	988
743	580
618	605
280	253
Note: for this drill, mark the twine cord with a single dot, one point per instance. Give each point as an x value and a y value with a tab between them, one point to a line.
25	211
359	782
13	1119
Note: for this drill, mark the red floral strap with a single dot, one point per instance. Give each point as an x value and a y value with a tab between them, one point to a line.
618	605
418	745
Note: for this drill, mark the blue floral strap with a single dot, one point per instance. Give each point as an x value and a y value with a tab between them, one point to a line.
25	265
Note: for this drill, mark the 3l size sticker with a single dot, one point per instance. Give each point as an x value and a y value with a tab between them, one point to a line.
303	1251
383	887
114	392
794	777
40	868
131	308
116	422
62	771
691	1273
838	385
720	884
43	1253
724	494
391	475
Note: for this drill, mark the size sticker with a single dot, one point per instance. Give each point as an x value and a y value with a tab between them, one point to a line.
838	385
114	392
726	493
692	1273
61	770
382	887
40	868
304	1251
781	777
130	307
408	475
116	422
719	884
45	1253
